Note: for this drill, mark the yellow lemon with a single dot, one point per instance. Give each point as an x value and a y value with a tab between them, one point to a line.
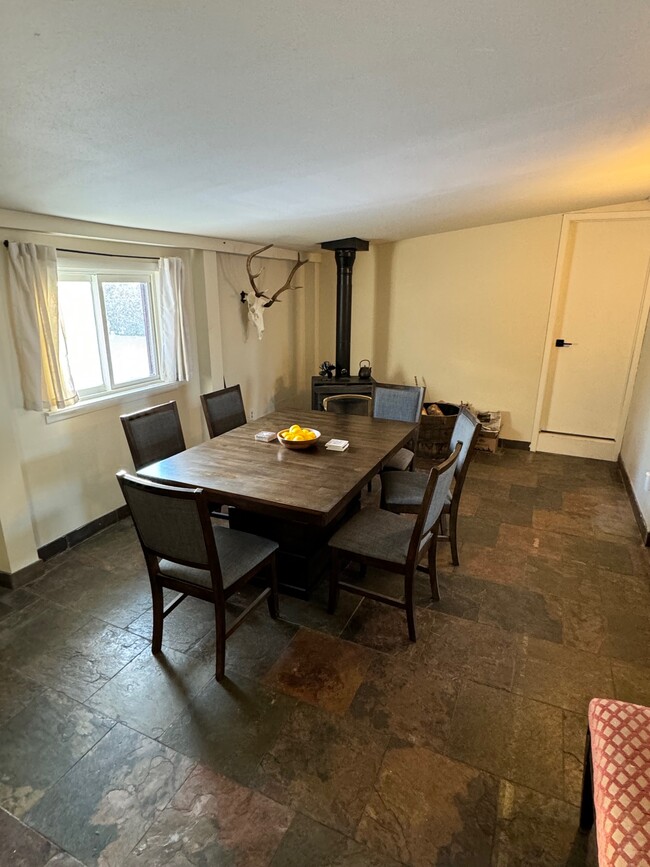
309	435
295	428
299	438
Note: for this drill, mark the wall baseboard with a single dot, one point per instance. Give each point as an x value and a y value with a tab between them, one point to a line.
643	528
515	444
14	580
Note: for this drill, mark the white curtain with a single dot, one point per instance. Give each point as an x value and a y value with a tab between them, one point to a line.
173	321
38	332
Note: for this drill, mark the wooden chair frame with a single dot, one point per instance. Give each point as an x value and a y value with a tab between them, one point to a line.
205	399
136	454
218	595
417	548
449	518
341	398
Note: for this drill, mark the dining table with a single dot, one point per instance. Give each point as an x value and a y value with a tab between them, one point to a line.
298	498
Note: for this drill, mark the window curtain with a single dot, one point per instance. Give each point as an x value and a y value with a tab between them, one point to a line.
173	321
38	332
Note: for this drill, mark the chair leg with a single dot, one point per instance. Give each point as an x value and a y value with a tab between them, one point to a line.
433	568
220	631
157	607
273	599
410	606
453	533
334	581
587	797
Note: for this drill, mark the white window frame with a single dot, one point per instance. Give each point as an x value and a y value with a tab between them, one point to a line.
97	277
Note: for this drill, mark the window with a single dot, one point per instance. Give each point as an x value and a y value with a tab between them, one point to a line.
110	326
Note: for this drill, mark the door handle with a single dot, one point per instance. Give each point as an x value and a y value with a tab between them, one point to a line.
559	342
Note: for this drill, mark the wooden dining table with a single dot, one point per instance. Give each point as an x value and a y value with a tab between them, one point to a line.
296	497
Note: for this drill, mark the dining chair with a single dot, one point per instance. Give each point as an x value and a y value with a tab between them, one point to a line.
153	434
186	552
399	403
348	404
375	537
403	492
223	410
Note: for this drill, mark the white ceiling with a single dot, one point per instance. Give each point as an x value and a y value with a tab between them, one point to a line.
297	121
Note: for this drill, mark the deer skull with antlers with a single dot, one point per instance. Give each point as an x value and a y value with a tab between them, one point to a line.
257	300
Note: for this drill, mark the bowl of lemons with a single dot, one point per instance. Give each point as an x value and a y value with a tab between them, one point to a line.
296	437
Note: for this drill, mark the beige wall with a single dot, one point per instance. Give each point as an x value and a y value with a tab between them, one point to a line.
59	476
636	442
464	311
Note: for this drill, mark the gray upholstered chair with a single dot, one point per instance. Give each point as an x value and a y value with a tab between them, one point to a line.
223	410
399	403
153	434
348	404
392	542
186	552
403	492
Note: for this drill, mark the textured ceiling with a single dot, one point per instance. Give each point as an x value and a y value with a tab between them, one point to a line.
296	122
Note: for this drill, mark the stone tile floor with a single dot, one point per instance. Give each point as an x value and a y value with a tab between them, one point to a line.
333	740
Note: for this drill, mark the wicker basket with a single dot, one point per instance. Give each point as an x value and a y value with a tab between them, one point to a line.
435	431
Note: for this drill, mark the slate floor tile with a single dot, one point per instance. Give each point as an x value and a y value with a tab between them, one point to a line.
427	809
511	511
409	698
508	736
574	734
562	676
320	670
21	846
528	540
628	636
323	765
16	691
517	609
313	613
85	661
623	592
383	628
462	648
254	647
40	743
104	590
308	842
574	524
631	682
535	829
505	566
212	820
566	579
185	626
460	595
596	552
229	726
102	807
151	691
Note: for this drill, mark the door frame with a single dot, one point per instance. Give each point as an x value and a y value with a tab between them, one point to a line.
568	443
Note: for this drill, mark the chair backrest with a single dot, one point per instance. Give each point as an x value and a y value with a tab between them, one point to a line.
433	501
153	434
223	410
348	404
466	431
172	523
398	402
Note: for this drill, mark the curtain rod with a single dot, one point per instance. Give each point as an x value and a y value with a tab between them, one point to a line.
90	253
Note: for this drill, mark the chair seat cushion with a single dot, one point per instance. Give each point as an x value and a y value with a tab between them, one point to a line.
401	460
238	554
620	749
375	533
405	489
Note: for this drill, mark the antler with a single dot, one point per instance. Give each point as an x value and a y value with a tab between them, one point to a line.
288	285
253	277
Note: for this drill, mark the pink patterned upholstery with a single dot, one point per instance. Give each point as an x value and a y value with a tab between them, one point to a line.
620	750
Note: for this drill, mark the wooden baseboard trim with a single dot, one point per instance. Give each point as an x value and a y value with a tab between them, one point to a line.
643	529
14	580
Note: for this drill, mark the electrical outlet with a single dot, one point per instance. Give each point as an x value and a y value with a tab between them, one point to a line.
252	414
646	486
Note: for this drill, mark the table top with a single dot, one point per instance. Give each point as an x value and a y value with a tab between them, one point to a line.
312	486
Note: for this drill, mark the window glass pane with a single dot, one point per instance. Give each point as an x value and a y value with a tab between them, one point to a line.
130	334
78	317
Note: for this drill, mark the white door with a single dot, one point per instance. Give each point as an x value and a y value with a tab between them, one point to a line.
594	336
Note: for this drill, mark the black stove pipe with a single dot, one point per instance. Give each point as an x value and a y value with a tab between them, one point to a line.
345	252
